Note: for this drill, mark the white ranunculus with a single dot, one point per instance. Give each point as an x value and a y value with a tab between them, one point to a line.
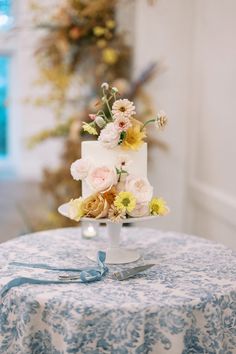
140	188
141	209
101	178
109	136
80	168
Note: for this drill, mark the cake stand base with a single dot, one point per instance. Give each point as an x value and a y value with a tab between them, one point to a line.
114	253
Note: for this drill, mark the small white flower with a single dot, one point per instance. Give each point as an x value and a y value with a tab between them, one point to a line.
105	86
161	120
80	169
123	108
100	121
123	162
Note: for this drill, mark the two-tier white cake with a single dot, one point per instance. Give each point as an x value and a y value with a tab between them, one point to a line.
113	169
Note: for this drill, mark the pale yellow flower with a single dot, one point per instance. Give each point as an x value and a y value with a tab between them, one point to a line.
76	209
125	201
157	206
89	128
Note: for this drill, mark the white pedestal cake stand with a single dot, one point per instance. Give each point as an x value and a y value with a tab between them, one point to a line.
114	253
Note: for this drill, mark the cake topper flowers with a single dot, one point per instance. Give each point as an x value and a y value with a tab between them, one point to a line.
115	123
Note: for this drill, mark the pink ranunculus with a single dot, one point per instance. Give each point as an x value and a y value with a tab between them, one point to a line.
109	136
101	178
80	168
141	209
140	187
122	124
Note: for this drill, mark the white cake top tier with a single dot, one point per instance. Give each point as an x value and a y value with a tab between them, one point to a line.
101	156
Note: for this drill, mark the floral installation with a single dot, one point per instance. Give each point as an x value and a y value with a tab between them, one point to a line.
115	124
116	194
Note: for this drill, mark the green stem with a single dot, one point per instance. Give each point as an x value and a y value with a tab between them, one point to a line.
148	122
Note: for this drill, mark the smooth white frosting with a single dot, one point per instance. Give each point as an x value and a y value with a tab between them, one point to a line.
101	156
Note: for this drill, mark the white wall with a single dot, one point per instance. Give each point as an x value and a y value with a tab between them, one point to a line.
212	125
163	33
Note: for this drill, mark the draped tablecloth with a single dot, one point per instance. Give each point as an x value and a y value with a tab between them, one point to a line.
185	304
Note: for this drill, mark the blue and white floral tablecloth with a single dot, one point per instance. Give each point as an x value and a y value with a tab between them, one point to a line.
185	304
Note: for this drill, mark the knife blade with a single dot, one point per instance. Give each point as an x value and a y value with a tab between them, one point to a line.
128	273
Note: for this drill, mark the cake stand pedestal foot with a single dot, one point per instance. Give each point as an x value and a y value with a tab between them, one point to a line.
114	253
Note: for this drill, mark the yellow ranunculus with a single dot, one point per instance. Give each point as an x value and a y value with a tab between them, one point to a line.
125	201
134	137
75	209
89	128
157	206
109	56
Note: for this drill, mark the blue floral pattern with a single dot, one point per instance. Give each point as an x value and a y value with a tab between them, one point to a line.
185	304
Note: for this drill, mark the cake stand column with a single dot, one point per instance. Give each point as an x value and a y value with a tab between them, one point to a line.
114	253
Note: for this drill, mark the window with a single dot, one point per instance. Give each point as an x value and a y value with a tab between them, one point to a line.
5	58
5	14
4	79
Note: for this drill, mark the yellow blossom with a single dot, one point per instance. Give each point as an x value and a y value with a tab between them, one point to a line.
157	206
109	56
125	201
134	137
75	209
99	31
110	24
89	128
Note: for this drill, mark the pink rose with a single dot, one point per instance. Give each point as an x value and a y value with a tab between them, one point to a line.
80	168
140	187
101	178
141	209
109	136
122	124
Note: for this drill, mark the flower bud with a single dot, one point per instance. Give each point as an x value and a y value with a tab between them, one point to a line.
114	90
100	121
105	86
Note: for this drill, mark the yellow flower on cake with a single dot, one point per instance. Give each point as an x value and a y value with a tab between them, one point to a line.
134	137
89	129
125	201
157	206
76	209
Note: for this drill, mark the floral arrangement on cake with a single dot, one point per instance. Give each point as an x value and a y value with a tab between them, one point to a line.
116	194
115	124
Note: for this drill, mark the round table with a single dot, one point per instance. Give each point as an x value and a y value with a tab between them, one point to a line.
185	304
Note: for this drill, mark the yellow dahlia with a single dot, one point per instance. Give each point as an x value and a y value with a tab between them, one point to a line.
157	206
134	137
125	201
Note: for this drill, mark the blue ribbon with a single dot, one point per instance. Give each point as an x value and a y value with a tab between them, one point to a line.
86	276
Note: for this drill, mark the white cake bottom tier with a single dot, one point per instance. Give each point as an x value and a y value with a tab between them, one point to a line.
101	156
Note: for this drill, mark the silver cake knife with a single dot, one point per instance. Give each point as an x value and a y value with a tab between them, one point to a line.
128	273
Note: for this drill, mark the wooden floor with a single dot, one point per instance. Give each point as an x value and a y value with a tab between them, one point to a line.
20	203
